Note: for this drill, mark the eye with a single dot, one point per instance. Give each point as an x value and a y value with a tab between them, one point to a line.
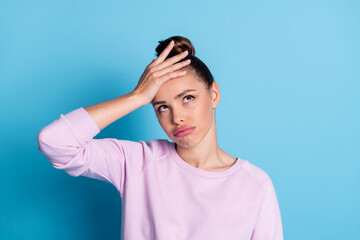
159	109
186	97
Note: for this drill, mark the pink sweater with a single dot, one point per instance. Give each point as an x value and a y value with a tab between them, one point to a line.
164	197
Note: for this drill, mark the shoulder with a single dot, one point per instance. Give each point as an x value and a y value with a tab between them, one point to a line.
158	147
257	174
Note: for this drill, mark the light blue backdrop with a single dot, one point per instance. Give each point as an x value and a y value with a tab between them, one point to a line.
289	75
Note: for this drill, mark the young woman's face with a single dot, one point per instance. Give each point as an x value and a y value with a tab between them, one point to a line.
185	101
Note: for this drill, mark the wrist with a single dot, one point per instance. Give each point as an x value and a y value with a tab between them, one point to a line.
138	98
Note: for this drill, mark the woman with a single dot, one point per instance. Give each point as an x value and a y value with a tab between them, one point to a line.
187	188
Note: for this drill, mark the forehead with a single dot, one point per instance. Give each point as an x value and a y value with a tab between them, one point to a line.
175	86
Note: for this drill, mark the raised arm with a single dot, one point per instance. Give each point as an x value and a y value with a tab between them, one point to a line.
105	113
155	74
69	144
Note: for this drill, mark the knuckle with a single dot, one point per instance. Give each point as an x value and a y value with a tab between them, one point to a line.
157	81
154	74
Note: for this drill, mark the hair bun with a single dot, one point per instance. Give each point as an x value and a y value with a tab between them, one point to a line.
181	44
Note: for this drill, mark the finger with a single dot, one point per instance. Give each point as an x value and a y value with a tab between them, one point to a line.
164	53
172	68
148	67
171	61
151	62
171	75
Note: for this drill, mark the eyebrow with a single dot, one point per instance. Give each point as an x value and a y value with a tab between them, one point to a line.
176	97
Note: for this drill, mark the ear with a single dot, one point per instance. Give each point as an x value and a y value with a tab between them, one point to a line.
215	94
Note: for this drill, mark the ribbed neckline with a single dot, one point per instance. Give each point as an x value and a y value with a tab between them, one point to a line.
209	174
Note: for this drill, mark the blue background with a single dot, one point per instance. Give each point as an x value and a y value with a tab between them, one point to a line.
289	75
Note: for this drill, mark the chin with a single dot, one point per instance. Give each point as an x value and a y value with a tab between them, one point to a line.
188	141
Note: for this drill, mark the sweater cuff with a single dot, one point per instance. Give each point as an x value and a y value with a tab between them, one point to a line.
82	124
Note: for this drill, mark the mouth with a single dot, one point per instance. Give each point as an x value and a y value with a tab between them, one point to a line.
183	131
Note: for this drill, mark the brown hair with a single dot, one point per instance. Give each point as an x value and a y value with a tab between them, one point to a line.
182	44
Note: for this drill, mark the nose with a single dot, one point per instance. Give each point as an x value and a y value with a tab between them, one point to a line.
177	116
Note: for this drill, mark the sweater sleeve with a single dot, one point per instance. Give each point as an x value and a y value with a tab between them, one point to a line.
69	144
268	225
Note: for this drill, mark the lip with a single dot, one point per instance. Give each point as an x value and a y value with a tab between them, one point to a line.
182	131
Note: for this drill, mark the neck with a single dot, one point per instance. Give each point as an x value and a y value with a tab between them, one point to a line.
206	154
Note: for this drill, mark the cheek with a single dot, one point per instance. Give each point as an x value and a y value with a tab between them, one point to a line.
163	121
204	112
160	120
